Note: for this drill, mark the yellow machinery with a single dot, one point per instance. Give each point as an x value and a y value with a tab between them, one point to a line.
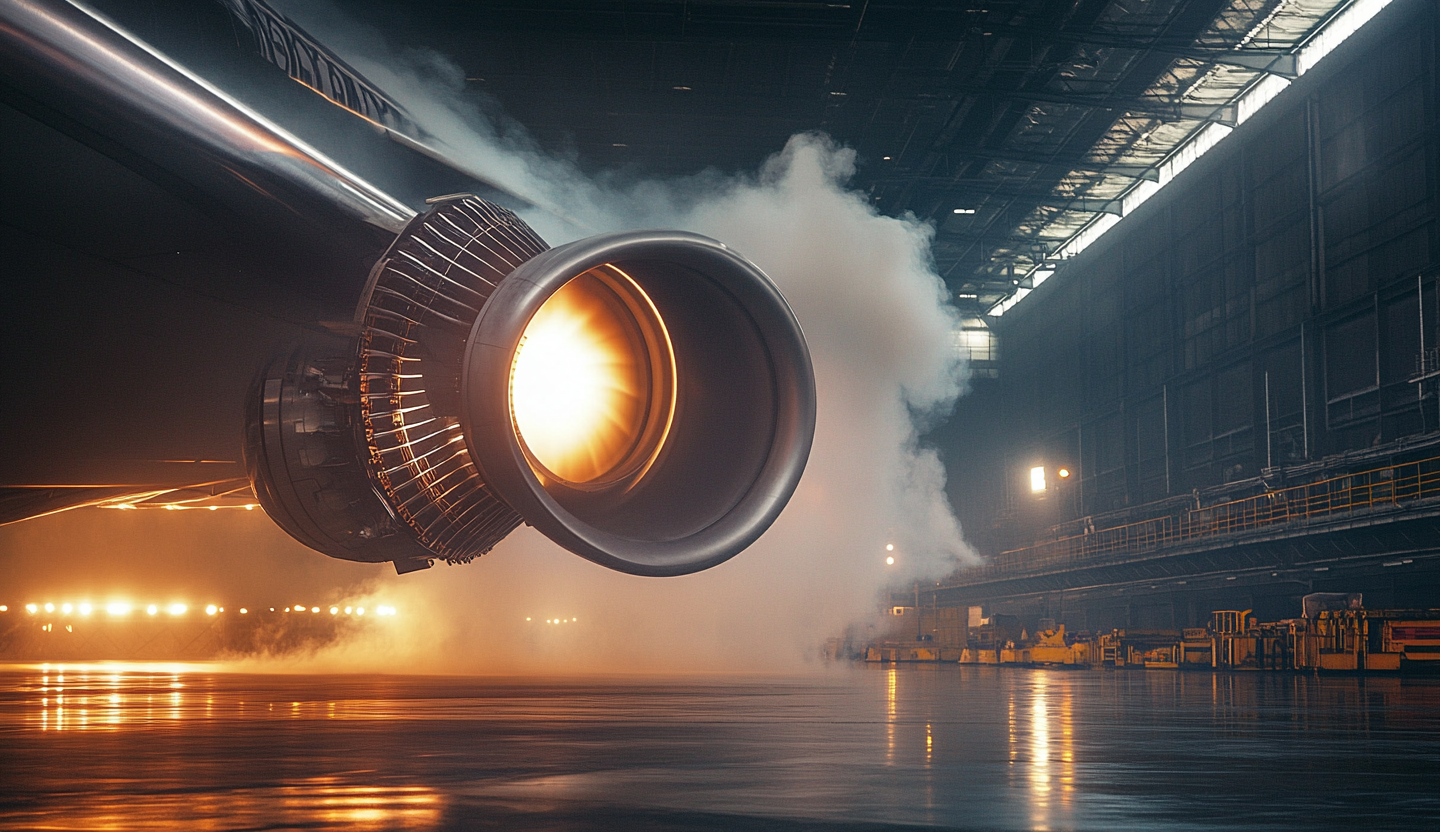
892	653
1347	639
1050	647
1416	640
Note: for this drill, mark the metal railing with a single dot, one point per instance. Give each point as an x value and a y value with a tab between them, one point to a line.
1388	487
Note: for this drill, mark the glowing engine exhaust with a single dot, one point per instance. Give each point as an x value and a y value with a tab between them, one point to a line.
644	399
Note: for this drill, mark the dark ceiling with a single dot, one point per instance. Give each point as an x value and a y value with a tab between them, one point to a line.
1033	114
1009	124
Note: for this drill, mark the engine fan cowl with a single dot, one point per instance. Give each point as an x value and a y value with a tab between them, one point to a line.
741	419
675	432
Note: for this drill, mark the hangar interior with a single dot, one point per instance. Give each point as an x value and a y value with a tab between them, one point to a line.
1192	245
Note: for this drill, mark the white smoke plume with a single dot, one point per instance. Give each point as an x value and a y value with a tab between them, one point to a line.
879	328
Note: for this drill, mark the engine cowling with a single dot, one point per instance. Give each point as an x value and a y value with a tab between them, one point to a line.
645	399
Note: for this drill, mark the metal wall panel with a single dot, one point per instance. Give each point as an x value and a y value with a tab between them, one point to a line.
1267	313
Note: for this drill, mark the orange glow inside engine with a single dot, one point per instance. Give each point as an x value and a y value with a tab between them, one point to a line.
592	386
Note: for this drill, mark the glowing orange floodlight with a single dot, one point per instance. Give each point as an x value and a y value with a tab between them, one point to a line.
1063	473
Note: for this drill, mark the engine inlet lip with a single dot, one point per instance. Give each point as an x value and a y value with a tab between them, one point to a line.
502	461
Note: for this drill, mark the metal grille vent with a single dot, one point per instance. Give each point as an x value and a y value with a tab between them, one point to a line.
424	296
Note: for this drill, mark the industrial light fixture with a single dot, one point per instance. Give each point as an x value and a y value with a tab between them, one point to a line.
1063	473
1037	480
890	561
964	210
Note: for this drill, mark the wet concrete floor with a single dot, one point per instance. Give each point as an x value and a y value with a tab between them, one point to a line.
129	746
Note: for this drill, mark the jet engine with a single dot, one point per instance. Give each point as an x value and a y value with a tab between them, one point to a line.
644	399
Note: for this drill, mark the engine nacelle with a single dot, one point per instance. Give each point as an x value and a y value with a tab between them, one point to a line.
644	399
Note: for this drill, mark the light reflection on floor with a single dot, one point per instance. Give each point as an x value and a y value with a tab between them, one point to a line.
319	803
166	746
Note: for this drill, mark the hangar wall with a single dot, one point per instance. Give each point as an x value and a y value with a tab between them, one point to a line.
1275	305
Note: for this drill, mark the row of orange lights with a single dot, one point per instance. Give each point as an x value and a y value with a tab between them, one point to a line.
114	608
121	608
380	610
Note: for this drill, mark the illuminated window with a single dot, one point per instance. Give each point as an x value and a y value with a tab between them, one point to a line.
1037	480
977	344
